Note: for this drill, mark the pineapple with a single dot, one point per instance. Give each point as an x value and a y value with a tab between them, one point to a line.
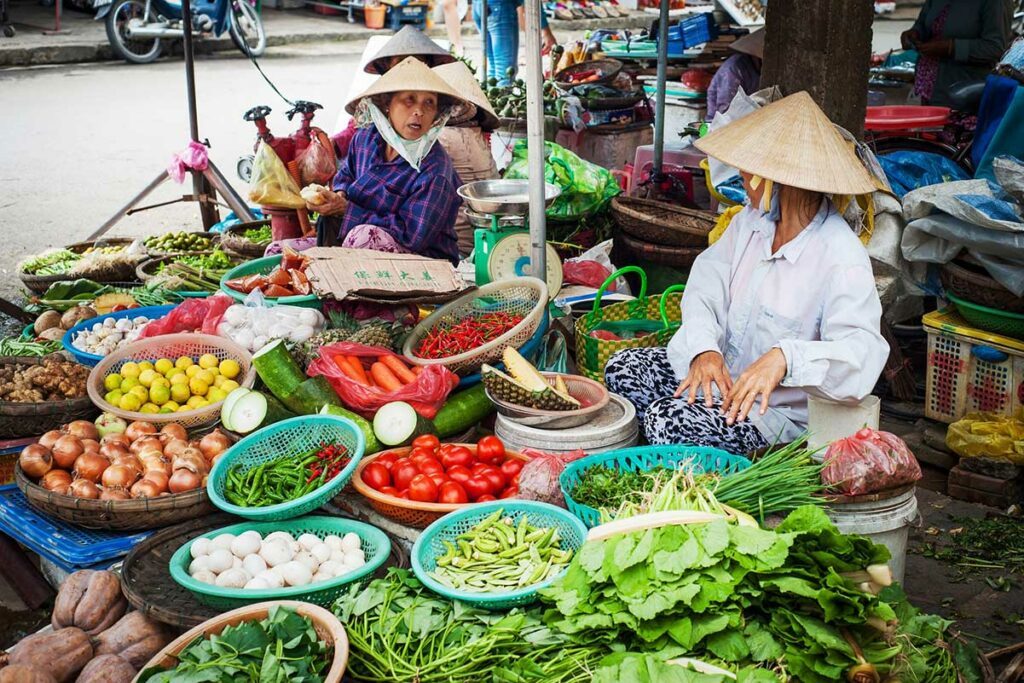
526	387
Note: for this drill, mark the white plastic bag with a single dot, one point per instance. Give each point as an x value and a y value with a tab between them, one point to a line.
252	324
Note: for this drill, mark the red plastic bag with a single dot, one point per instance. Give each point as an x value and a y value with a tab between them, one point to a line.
189	316
867	462
538	480
317	163
586	273
426	394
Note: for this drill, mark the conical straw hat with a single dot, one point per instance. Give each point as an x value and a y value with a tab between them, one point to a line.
408	42
458	75
751	44
409	74
791	142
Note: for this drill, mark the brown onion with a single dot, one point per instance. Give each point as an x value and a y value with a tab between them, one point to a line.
119	439
214	443
175	447
158	477
113	450
146	442
83	488
90	466
114	494
119	476
131	462
137	430
35	460
173	430
49	438
83	429
146	488
66	450
57	481
183	480
91	445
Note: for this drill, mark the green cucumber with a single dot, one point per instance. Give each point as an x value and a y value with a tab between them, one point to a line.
278	370
397	424
255	410
462	411
310	396
229	404
372	445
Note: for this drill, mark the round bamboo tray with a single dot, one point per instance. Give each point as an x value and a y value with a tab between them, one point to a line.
233	242
409	512
327	626
661	223
126	275
967	280
676	257
607	70
30	419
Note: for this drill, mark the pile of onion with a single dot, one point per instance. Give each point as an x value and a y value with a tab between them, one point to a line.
141	462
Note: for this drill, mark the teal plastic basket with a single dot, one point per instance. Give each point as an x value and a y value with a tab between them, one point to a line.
642	459
375	544
294	435
429	547
262	266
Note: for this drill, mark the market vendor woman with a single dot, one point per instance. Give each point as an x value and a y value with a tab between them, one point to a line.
783	305
396	189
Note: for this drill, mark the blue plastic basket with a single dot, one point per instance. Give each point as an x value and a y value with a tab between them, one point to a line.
528	351
642	459
429	547
91	359
294	435
690	33
262	266
67	546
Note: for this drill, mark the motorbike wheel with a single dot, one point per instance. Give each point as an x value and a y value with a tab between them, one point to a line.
136	51
247	29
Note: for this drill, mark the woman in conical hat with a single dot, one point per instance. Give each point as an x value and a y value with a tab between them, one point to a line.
396	189
783	305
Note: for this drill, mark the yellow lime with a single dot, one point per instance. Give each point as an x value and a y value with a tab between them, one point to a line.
113	397
180	393
160	382
230	368
130	402
149	408
145	365
183	409
129	383
174	372
165	408
215	394
146	377
229	385
208	360
183	362
195	402
202	403
180	378
206	376
111	382
163	366
192	370
198	386
159	394
171	405
130	369
219	380
141	392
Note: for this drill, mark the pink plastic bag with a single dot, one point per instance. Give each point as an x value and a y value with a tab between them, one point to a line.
317	163
586	273
194	156
538	480
191	315
426	395
867	462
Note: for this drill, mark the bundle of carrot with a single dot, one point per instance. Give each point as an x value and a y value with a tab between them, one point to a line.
387	373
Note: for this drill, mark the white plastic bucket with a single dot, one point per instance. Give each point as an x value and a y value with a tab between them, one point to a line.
828	421
885	521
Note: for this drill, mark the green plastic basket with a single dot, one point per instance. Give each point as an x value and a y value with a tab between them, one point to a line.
262	266
376	546
990	319
294	435
642	459
429	547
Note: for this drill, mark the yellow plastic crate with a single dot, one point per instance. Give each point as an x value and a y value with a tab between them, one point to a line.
970	370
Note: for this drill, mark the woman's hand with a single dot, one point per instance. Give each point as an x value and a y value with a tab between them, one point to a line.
939	49
548	40
705	369
908	39
762	377
331	203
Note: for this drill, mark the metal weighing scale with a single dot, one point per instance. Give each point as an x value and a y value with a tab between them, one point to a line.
498	209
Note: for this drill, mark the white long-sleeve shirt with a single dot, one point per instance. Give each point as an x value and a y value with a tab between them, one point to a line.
814	299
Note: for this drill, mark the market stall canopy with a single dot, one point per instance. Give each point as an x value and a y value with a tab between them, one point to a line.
409	42
751	44
791	142
458	75
410	74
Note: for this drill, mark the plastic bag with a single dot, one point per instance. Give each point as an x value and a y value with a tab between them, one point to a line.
317	163
1000	437
189	316
253	324
869	461
538	480
271	184
908	170
587	273
426	394
586	188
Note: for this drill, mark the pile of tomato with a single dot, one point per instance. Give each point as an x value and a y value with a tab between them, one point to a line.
432	472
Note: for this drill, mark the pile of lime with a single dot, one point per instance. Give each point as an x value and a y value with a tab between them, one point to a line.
172	386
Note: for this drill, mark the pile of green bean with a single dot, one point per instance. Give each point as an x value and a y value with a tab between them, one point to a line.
499	555
284	479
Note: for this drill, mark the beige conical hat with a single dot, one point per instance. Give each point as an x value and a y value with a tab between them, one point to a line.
791	142
408	42
458	75
409	74
751	44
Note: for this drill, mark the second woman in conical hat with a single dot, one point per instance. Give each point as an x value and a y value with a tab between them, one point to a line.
396	189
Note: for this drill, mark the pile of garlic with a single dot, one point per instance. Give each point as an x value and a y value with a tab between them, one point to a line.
105	337
250	561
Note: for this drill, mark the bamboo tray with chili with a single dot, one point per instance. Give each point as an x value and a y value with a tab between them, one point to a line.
285	479
451	339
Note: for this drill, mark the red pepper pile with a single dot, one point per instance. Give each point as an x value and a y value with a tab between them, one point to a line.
331	459
446	340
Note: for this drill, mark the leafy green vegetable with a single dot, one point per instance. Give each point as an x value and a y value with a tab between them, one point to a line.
260	235
639	668
283	647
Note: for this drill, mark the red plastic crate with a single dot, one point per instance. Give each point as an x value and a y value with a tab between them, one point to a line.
905	117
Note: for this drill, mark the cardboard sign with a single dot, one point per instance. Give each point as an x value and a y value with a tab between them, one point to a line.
341	273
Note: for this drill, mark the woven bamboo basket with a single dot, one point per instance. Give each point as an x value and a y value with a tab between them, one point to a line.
675	257
661	223
607	70
125	275
30	419
214	238
964	280
233	242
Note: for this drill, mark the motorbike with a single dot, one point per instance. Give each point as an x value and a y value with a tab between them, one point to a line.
136	29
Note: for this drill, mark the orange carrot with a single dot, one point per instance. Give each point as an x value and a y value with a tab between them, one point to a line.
401	370
346	369
417	369
357	368
384	378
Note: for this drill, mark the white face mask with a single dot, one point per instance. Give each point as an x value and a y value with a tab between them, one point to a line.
413	151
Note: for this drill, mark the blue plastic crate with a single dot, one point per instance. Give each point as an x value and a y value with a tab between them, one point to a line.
67	546
691	32
414	15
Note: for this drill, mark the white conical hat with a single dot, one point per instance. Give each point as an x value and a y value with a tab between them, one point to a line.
458	75
409	74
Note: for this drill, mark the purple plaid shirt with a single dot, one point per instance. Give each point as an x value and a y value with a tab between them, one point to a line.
418	209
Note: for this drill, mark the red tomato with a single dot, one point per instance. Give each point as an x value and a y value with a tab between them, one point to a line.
437	477
417	452
403	472
429	465
457	456
479	467
404	493
451	492
486	498
458	473
387	459
515	480
490	450
428	441
495	479
510	492
391	491
476	486
423	489
376	476
511	467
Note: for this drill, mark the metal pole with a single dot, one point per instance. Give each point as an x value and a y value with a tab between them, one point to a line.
200	188
535	141
483	35
659	105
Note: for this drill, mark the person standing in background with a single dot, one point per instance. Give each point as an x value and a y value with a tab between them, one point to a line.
741	70
502	48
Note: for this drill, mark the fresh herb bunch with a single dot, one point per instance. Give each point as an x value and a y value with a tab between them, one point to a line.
56	262
605	487
283	647
260	235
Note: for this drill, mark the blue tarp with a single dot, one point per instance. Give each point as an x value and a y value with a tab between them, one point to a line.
909	170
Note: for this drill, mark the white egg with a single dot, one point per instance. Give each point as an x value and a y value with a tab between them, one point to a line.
296	574
353	562
200	547
338	556
351	542
321	552
354	556
257	583
200	564
308	560
222	541
220	560
320	577
280	537
233	578
272	577
236	562
309	541
333	542
246	544
254	564
206	576
329	567
344	569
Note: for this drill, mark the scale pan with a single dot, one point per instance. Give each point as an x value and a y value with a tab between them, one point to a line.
504	197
